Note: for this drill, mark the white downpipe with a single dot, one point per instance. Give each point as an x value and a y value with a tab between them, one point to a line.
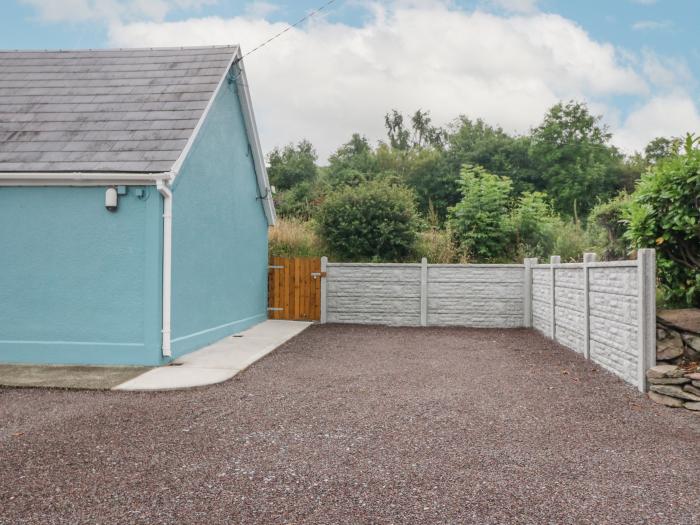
167	194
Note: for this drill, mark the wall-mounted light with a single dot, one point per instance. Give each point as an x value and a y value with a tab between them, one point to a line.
111	199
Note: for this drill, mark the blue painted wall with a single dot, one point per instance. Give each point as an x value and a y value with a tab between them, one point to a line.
219	233
78	284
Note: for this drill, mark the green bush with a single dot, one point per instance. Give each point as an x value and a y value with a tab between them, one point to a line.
480	221
665	213
606	228
535	225
371	221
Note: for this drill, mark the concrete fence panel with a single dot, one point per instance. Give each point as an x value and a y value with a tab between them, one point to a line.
602	310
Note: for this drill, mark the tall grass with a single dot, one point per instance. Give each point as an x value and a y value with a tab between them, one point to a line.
294	238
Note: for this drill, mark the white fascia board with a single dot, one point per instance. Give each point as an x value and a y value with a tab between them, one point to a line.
254	140
251	132
193	136
81	179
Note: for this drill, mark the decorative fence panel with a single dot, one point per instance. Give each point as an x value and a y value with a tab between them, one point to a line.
603	310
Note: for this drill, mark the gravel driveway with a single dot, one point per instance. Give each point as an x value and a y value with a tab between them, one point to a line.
350	424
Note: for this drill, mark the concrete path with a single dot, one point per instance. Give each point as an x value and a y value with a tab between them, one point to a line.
219	361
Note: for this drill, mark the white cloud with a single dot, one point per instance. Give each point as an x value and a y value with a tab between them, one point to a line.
514	6
666	72
109	10
645	25
260	9
669	115
327	80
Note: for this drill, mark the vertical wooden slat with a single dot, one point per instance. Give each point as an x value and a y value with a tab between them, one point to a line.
307	289
292	292
297	277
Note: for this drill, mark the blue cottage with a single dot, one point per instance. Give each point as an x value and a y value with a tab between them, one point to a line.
134	204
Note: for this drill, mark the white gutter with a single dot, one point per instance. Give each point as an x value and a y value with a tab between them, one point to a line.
164	190
19	178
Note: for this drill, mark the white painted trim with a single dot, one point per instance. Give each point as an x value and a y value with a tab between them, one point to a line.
254	140
195	132
80	179
167	194
251	132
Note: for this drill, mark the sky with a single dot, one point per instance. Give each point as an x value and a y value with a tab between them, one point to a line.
635	62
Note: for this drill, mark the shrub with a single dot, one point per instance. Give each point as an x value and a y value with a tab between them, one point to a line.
294	238
606	227
480	221
438	247
535	225
665	213
371	221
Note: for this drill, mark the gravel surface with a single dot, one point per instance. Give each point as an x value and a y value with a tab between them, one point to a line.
350	424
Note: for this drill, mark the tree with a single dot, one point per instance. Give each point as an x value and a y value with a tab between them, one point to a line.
480	220
606	226
371	221
571	151
535	225
477	143
421	135
292	165
661	148
665	213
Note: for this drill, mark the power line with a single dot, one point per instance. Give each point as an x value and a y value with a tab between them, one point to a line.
303	19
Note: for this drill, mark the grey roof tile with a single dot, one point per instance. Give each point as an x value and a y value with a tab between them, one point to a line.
129	110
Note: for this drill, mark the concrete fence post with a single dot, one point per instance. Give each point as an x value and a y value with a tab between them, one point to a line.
554	260
324	290
588	258
529	262
646	313
424	292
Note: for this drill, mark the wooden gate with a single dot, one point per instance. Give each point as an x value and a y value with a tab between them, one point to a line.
294	288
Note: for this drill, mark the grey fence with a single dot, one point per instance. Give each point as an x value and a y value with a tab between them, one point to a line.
603	310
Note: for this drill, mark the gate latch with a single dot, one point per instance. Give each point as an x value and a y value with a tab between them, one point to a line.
316	275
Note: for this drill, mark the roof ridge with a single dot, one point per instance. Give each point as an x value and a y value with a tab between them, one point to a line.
112	49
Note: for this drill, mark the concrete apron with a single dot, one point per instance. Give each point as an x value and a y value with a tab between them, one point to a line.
212	364
219	361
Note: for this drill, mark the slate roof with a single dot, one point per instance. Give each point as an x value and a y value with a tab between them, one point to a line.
122	110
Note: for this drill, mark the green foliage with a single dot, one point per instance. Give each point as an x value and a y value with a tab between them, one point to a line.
300	201
575	162
292	165
372	221
354	162
570	241
606	227
665	213
480	220
661	148
294	238
477	143
535	225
